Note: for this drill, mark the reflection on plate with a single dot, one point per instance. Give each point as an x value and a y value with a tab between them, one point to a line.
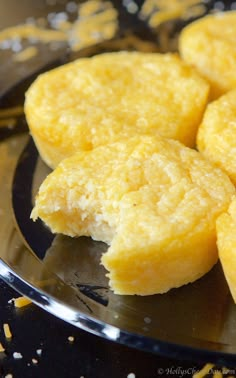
64	275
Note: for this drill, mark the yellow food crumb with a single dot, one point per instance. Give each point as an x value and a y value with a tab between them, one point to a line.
26	54
32	31
21	302
90	7
2	349
158	11
7	331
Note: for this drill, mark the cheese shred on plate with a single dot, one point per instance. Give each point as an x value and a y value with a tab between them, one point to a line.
7	331
21	302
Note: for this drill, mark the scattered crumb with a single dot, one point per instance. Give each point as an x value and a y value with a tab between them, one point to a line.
7	331
39	352
9	376
21	302
2	349
131	375
26	54
71	339
34	361
17	355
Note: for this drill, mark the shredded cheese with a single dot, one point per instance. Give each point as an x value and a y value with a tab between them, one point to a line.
90	7
7	331
96	21
26	54
158	11
31	31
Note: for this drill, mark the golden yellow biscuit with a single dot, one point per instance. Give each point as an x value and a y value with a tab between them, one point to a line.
216	137
153	200
99	100
209	45
226	241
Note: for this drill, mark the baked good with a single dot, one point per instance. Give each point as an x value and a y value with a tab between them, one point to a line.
151	199
99	100
216	137
208	44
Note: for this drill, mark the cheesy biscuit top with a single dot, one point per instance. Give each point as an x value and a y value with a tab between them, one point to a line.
99	100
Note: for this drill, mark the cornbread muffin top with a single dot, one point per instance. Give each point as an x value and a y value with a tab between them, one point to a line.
216	137
209	45
153	200
98	100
